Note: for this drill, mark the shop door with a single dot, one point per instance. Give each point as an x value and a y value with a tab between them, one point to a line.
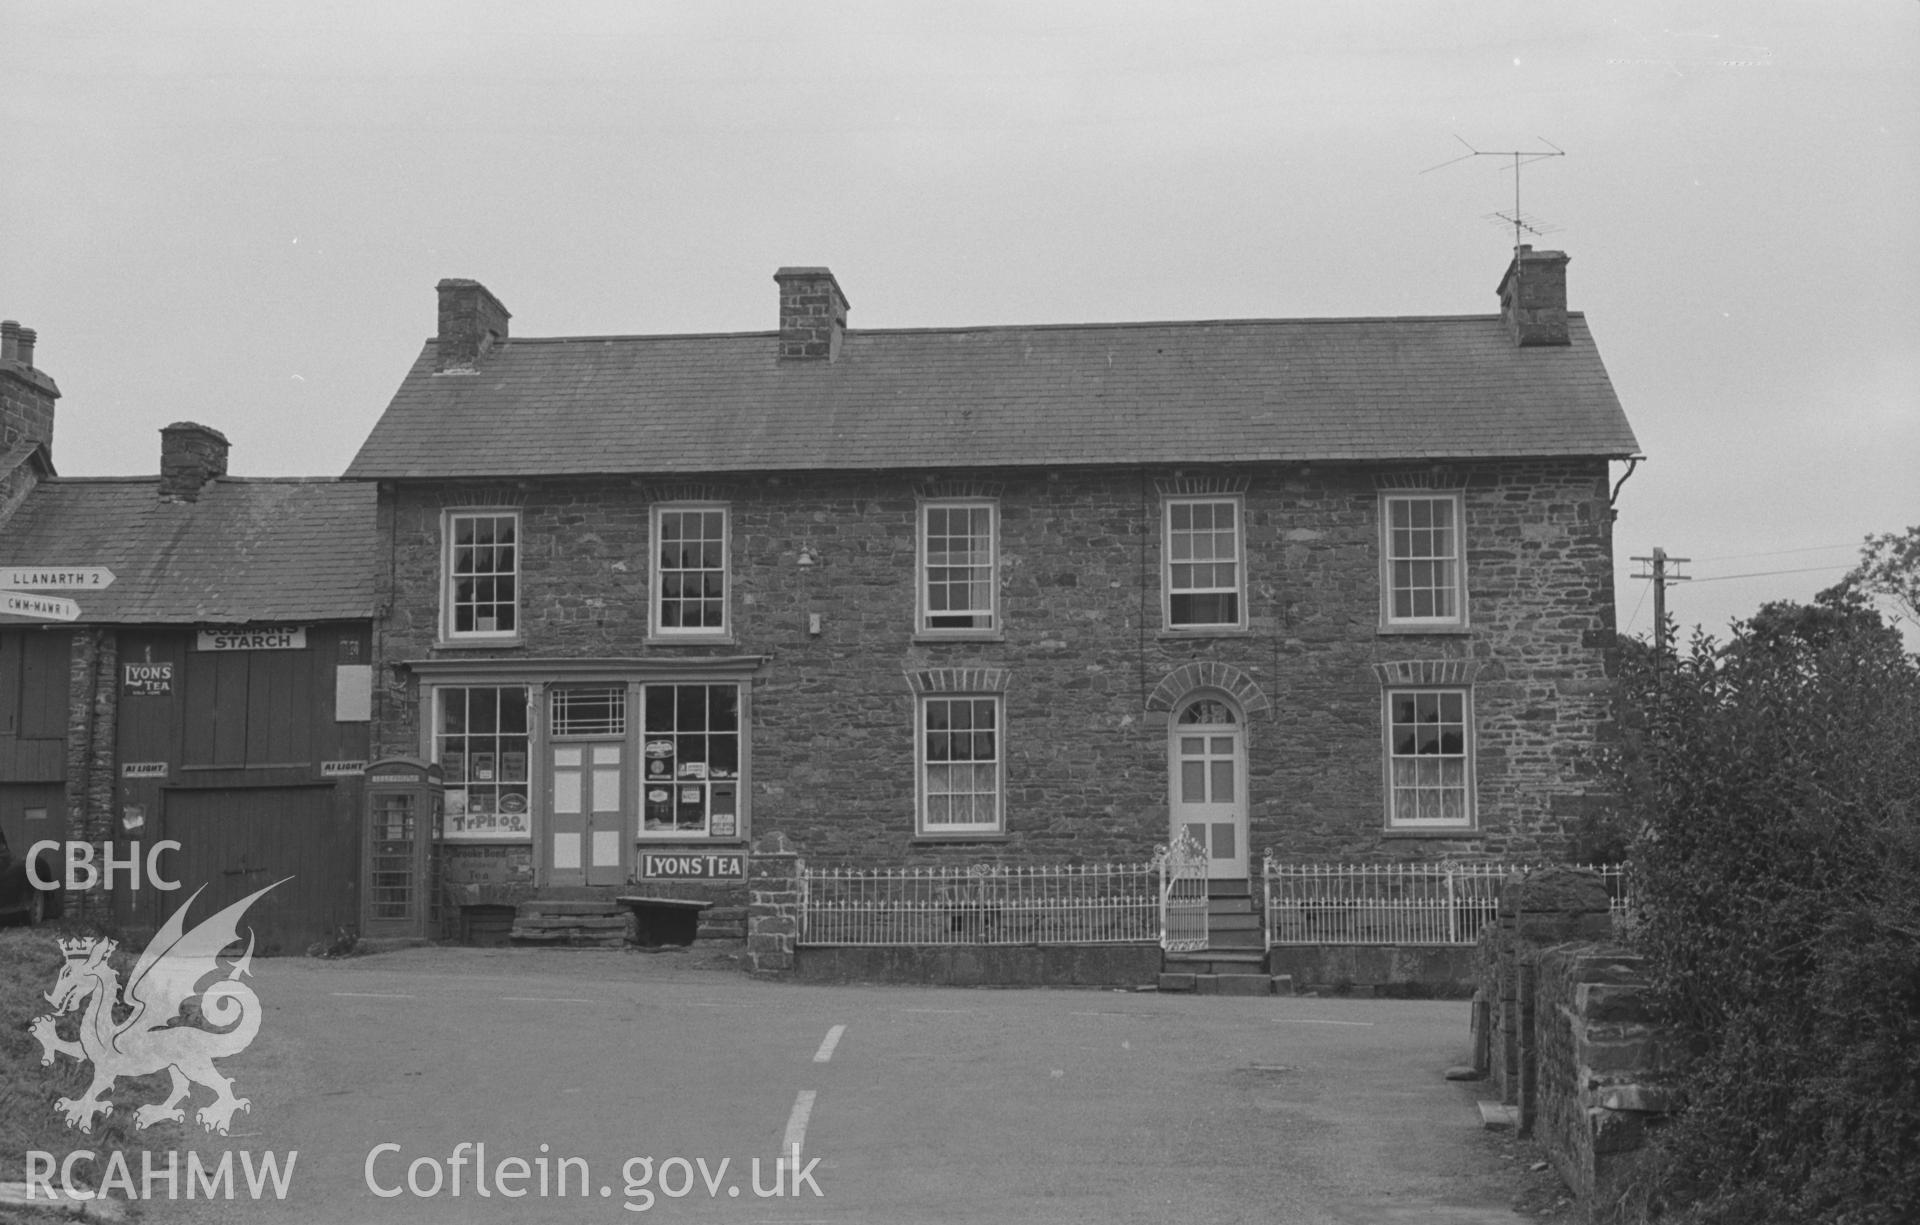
1207	778
587	819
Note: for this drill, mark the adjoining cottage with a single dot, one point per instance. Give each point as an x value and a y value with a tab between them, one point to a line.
215	693
1337	587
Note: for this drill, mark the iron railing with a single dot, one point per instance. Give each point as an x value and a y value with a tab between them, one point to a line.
1442	902
1183	895
1089	903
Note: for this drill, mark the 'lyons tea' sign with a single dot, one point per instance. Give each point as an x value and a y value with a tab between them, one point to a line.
148	680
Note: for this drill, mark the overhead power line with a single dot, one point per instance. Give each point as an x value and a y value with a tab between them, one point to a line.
1721	578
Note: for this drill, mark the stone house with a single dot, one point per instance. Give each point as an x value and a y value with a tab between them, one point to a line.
215	693
1341	588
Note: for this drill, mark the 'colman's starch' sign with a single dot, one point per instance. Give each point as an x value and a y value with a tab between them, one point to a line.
252	638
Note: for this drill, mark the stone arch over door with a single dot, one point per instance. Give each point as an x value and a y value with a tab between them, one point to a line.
1200	675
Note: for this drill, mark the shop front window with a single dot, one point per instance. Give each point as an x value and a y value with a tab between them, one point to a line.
480	742
691	779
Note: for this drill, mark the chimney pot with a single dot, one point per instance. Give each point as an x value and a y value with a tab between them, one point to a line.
472	321
813	314
1533	297
191	454
23	349
9	340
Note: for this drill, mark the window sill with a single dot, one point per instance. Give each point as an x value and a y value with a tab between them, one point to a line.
1207	631
1438	629
690	640
505	643
1456	832
931	636
662	837
447	844
975	836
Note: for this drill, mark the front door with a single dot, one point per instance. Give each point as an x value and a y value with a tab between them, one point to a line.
1207	776
587	820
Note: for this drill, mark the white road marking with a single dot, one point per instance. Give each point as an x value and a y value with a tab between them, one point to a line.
797	1124
375	995
548	999
1315	1021
826	1046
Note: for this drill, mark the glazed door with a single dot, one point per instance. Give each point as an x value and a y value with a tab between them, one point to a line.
587	818
1207	771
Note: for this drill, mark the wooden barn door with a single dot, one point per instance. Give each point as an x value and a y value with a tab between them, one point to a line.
235	840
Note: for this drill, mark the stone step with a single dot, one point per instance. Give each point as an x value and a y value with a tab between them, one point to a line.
568	906
1239	941
568	937
580	921
1229	888
1229	905
1232	922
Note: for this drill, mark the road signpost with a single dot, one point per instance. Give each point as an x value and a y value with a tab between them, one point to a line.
45	607
19	585
55	578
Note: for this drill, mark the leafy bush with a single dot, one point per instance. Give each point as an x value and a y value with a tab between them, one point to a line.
1770	786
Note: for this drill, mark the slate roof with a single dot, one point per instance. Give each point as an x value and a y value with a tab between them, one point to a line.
1101	394
248	550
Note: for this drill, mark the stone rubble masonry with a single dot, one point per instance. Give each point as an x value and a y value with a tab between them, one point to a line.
773	907
93	709
1087	670
1570	1036
26	414
191	454
471	321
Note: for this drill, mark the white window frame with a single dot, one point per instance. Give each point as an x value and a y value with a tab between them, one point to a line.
1390	559
673	782
656	599
924	612
466	780
449	528
927	829
1168	562
1397	816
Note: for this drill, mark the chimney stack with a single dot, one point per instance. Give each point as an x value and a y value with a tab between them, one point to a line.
26	394
1533	297
472	321
813	314
190	455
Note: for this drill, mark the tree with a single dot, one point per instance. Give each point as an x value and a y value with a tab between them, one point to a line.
1890	566
1770	783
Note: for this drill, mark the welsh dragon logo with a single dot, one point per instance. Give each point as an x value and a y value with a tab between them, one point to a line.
155	1033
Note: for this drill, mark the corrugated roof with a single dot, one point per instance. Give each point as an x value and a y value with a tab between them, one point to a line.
248	550
1208	392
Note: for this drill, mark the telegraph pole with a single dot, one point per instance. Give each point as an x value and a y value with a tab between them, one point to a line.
1657	565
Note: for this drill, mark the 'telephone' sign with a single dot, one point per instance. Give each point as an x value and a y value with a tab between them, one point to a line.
252	638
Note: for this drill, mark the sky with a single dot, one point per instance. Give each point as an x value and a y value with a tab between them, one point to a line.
235	213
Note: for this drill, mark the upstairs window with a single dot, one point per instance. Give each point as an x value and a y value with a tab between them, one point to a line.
690	570
482	571
1423	583
1429	759
1204	577
959	587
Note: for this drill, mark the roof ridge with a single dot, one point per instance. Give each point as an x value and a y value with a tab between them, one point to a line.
1117	325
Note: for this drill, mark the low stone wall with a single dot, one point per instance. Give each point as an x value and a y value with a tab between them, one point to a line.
1563	1028
1397	971
986	965
1598	1056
